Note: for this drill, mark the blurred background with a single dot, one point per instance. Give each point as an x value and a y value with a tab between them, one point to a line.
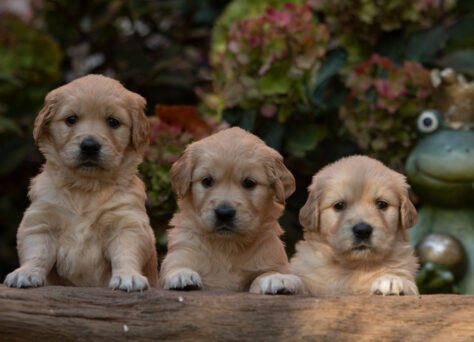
315	79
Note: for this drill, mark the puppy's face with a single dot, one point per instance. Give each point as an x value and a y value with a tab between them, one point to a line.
234	182
358	206
89	124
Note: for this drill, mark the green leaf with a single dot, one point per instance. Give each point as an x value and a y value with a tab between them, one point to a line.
462	30
8	125
461	61
275	81
232	116
392	46
12	152
423	45
334	61
303	137
272	133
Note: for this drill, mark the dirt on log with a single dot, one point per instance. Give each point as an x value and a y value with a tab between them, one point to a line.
56	313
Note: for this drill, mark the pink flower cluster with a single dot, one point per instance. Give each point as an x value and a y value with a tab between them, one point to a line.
382	105
276	35
392	83
167	141
268	56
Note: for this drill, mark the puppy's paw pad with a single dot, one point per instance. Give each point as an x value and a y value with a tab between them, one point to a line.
183	279
277	284
25	278
129	282
387	285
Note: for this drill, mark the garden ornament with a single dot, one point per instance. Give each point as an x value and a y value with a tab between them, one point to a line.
440	170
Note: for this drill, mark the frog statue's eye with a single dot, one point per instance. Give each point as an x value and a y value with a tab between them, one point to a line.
428	121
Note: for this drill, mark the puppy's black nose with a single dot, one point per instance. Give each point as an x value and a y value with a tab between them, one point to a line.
225	213
362	230
90	147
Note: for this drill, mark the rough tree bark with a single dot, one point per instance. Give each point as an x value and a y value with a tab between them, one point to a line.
87	314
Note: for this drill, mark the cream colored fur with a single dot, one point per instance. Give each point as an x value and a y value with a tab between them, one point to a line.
199	256
326	262
87	226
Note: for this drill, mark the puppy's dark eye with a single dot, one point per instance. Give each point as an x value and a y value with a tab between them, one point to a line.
381	205
249	183
339	206
113	122
207	182
71	120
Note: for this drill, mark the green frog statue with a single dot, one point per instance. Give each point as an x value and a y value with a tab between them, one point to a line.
440	170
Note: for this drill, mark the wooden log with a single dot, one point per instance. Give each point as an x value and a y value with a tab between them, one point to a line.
88	314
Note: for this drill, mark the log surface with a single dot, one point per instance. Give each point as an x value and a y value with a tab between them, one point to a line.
87	314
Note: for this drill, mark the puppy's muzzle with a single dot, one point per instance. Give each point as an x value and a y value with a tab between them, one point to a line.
362	231
225	216
89	152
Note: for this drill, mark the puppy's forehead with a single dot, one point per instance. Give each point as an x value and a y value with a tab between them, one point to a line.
233	143
94	94
358	176
231	151
95	89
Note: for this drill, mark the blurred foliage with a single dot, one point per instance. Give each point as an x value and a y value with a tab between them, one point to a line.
167	142
361	24
29	60
268	60
379	108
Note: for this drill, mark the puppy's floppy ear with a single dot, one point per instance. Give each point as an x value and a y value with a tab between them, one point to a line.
140	123
281	178
408	213
181	173
309	213
45	114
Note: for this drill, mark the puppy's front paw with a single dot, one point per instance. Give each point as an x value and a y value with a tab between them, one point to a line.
183	279
129	282
25	277
388	285
277	284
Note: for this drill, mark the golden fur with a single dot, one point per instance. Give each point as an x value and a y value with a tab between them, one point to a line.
331	260
200	254
87	225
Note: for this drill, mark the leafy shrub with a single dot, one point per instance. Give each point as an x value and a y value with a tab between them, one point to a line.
381	105
360	25
269	59
369	19
29	65
166	144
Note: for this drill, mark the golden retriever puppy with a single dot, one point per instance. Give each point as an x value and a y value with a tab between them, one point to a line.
87	224
356	239
232	189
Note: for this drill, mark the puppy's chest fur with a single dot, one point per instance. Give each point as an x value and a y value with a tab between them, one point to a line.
230	272
81	249
80	226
